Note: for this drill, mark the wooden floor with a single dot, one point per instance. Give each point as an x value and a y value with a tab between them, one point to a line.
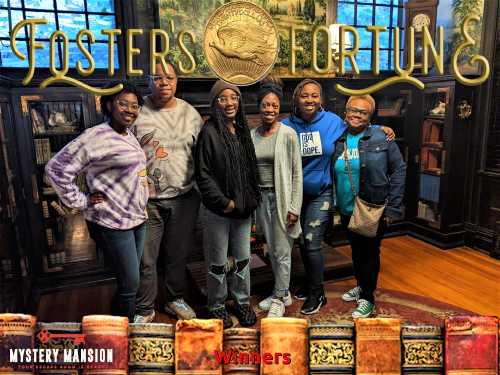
462	277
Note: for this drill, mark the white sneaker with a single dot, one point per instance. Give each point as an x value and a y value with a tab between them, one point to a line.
352	295
144	319
277	309
180	308
265	304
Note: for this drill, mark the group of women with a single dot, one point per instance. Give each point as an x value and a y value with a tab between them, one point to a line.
289	173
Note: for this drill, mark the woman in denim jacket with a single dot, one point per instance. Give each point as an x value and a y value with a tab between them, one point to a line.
378	173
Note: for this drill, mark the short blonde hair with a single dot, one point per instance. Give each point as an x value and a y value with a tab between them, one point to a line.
367	98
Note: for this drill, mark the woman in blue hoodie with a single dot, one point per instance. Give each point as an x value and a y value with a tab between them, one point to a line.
317	130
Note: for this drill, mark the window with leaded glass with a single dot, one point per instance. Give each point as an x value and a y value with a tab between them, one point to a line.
70	16
362	13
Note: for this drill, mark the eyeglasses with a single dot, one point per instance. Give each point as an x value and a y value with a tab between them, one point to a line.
134	107
357	111
226	99
157	78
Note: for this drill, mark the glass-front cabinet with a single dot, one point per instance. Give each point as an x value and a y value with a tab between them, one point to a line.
61	241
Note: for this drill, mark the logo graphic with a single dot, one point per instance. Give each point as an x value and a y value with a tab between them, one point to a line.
241	42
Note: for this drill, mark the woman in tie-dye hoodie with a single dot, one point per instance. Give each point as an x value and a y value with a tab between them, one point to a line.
115	209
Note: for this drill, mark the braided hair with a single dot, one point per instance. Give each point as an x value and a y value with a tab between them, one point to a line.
241	163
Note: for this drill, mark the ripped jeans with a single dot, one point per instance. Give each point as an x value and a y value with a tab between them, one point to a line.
223	237
314	219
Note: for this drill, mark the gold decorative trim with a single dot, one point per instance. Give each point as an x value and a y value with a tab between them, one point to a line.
423	353
138	329
338	353
464	110
24	102
423	330
151	351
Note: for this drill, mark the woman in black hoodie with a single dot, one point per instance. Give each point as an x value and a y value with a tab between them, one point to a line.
226	174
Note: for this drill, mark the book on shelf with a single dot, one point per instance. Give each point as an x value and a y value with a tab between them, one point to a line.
37	122
59	209
109	332
45	209
429	187
331	349
57	335
289	337
151	348
196	342
467	345
50	237
388	108
42	150
471	345
427	211
244	342
423	349
431	131
57	257
378	346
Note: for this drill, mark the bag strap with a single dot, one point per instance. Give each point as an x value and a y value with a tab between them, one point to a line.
349	170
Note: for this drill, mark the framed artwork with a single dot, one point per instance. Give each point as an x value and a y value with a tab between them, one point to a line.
451	14
192	15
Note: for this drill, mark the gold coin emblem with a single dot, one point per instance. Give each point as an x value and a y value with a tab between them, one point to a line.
240	42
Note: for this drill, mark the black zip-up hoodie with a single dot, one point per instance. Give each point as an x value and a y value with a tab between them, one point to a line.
211	177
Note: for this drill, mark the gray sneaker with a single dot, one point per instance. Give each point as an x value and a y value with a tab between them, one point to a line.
144	319
180	308
352	295
265	304
277	309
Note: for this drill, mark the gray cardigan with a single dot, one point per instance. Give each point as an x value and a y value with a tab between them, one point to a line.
287	177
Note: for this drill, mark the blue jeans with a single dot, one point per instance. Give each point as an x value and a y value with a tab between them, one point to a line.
278	241
223	236
124	248
314	219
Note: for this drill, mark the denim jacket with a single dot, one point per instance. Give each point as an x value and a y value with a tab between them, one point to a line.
383	170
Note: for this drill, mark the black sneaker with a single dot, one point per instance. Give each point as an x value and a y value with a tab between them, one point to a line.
245	314
313	304
302	293
222	313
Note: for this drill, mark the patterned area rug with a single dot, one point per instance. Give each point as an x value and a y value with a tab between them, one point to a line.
410	308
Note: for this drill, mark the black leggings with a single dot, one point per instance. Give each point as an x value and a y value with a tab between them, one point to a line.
365	258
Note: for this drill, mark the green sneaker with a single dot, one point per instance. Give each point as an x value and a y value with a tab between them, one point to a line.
352	294
364	309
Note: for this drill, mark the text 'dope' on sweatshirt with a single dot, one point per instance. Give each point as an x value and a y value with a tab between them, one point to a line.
317	144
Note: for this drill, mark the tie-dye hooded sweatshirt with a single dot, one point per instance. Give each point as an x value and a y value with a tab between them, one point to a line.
115	165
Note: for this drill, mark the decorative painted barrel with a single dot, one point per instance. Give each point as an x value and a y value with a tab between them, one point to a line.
197	342
331	349
242	345
62	336
107	336
423	349
151	349
16	332
283	346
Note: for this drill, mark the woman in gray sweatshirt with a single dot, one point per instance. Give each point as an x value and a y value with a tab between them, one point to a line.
280	180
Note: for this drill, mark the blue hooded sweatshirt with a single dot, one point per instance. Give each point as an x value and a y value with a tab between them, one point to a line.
317	145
